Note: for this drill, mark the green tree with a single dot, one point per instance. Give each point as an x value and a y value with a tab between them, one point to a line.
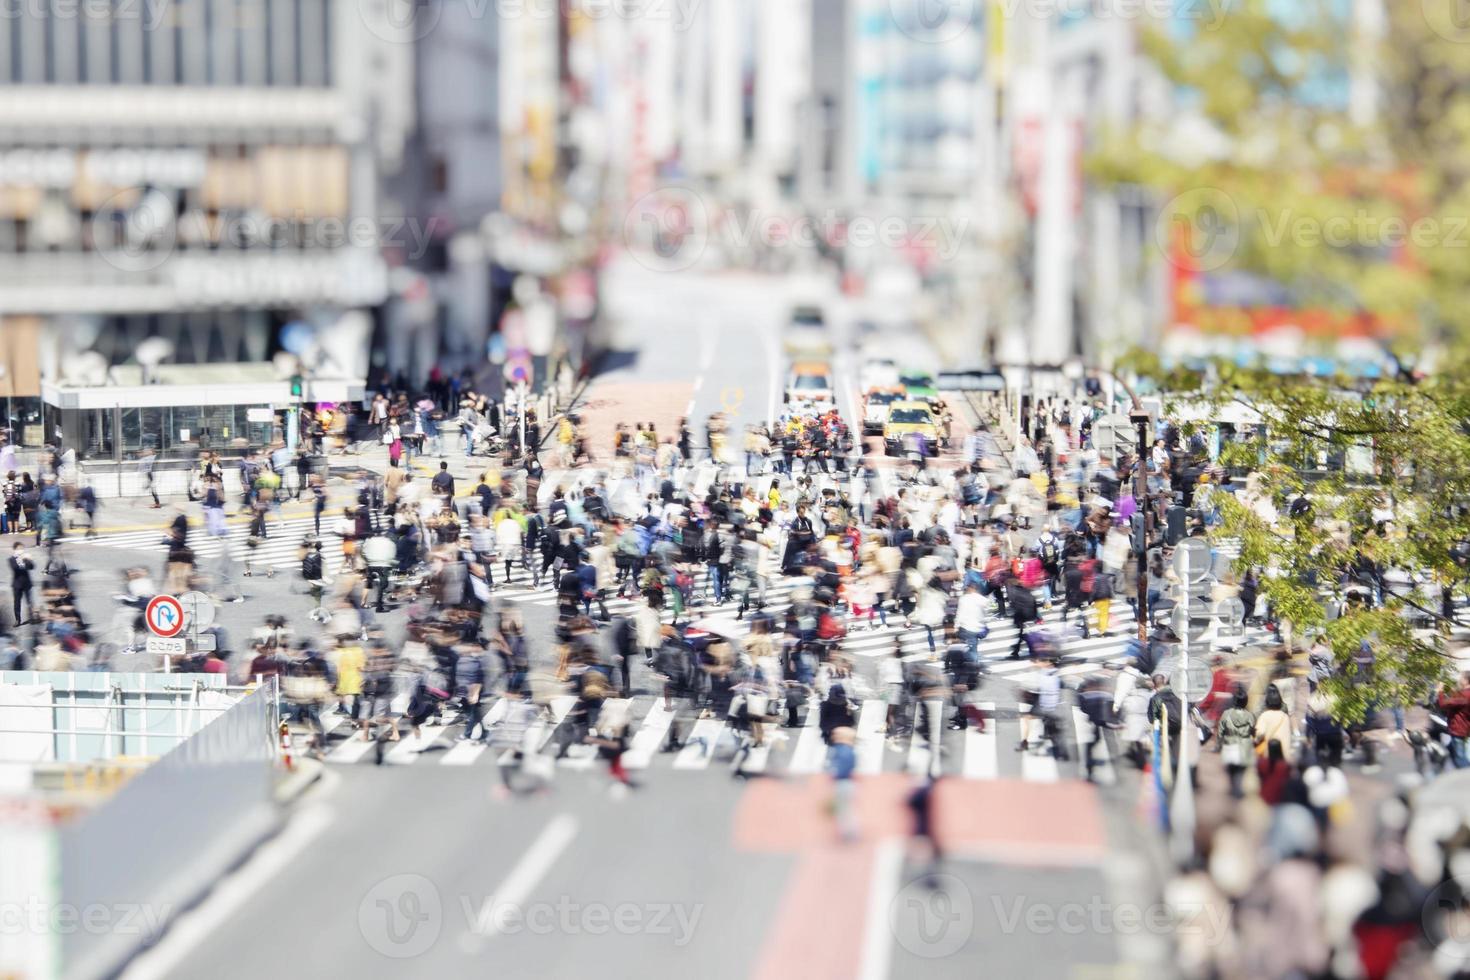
1396	444
1266	167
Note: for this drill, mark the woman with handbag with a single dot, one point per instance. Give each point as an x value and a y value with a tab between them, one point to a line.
1274	725
1235	733
393	439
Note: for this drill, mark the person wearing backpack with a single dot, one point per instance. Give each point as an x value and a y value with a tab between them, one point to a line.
313	573
1102	600
1023	611
1235	732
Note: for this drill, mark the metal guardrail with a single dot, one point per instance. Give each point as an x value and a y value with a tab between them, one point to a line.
92	716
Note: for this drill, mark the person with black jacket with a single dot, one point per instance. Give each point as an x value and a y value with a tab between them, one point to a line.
21	584
836	712
799	538
1165	709
1023	609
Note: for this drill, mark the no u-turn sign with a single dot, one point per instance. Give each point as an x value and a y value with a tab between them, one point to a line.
164	616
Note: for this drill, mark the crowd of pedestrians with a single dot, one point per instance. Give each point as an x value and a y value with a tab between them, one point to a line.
1024	516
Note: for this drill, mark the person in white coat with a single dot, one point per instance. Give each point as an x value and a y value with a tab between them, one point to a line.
508	538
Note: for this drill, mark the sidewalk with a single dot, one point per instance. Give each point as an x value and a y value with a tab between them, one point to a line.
138	513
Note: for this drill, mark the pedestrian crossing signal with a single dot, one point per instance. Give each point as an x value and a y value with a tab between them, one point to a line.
295	386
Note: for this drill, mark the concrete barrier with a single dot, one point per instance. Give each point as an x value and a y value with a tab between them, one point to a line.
109	880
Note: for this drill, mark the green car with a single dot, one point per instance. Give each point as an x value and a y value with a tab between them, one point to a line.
918	386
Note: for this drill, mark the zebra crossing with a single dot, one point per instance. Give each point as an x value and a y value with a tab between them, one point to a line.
714	744
869	637
281	547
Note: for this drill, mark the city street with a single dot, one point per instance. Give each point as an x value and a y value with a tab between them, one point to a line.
771	489
413	864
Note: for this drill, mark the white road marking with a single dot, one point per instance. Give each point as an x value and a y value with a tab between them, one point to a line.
980	760
464	753
810	752
406	750
883	890
529	870
205	920
699	747
649	737
351	750
871	720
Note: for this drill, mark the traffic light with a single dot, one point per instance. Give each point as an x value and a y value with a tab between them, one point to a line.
295	386
1139	533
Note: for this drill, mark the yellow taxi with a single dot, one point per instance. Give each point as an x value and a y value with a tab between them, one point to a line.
910	427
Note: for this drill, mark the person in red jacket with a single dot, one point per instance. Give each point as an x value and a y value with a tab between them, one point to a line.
1456	710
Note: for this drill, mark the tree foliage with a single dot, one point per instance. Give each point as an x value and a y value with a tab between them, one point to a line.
1399	445
1361	214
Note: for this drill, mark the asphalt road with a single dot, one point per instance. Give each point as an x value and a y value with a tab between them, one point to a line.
430	870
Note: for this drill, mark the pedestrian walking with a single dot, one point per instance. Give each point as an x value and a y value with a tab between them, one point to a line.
21	584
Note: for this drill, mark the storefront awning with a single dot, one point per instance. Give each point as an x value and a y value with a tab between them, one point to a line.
197	384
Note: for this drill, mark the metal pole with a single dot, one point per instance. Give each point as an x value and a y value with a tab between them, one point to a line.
521	407
117	455
1140	494
1181	817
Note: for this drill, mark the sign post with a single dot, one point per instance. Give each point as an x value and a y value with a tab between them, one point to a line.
165	619
1194	565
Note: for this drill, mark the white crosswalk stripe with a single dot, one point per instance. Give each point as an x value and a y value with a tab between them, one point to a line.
862	641
281	548
980	757
712	742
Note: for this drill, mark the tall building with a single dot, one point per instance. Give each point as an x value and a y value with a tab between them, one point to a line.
451	181
203	174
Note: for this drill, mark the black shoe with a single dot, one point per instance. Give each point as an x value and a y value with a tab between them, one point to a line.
1022	747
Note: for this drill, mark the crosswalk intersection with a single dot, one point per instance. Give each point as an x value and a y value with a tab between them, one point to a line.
708	743
870	638
281	548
